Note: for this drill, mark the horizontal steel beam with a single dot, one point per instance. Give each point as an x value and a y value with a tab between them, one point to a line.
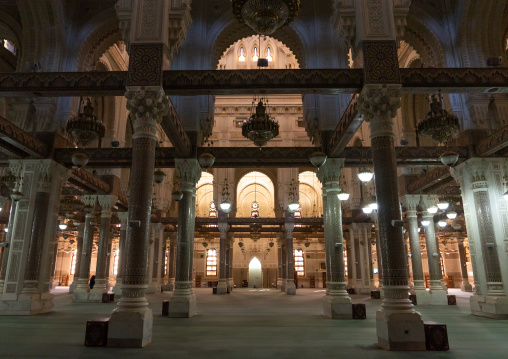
251	157
231	82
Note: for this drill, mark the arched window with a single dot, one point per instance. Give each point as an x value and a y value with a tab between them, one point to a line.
211	262
73	261
212	210
242	56
254	209
255	57
269	54
299	264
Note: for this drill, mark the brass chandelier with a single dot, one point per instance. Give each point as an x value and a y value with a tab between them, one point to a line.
265	16
438	124
85	127
260	128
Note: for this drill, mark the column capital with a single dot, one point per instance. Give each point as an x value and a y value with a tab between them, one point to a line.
188	172
379	104
147	106
106	202
123	217
427	201
223	228
330	172
411	201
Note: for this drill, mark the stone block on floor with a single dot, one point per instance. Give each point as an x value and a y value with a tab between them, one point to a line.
359	311
96	333
436	336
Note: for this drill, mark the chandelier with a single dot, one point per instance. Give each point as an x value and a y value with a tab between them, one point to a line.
260	128
438	124
85	127
265	16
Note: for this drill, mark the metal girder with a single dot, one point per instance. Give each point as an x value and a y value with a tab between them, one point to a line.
251	157
222	82
20	143
173	128
349	123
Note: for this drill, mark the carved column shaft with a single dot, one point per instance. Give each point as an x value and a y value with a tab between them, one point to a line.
433	253
172	258
36	239
487	239
414	244
5	255
329	175
463	262
223	250
102	252
86	253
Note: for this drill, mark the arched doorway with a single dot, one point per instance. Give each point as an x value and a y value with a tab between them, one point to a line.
255	278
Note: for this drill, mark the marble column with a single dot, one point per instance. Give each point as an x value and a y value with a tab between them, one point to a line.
154	258
79	250
231	241
284	266
117	289
465	286
279	263
486	215
398	325
365	258
183	301
82	291
36	242
101	274
5	254
422	295
222	287
438	295
336	302
289	226
170	286
130	324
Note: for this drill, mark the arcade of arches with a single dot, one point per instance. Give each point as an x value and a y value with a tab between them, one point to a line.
135	205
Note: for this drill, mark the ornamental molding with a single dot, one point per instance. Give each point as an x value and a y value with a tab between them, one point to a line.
411	201
123	217
427	201
379	104
106	203
188	171
146	110
330	171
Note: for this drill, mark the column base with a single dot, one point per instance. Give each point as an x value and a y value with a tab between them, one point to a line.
183	302
97	291
489	307
231	285
27	304
152	288
400	331
438	296
337	307
117	289
130	328
279	283
466	287
363	290
290	287
170	285
222	287
73	286
283	287
81	294
423	297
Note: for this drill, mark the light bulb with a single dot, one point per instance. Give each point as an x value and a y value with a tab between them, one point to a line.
343	196
225	206
6	229
425	223
367	210
62	226
432	209
373	205
443	205
442	224
365	175
293	206
451	215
